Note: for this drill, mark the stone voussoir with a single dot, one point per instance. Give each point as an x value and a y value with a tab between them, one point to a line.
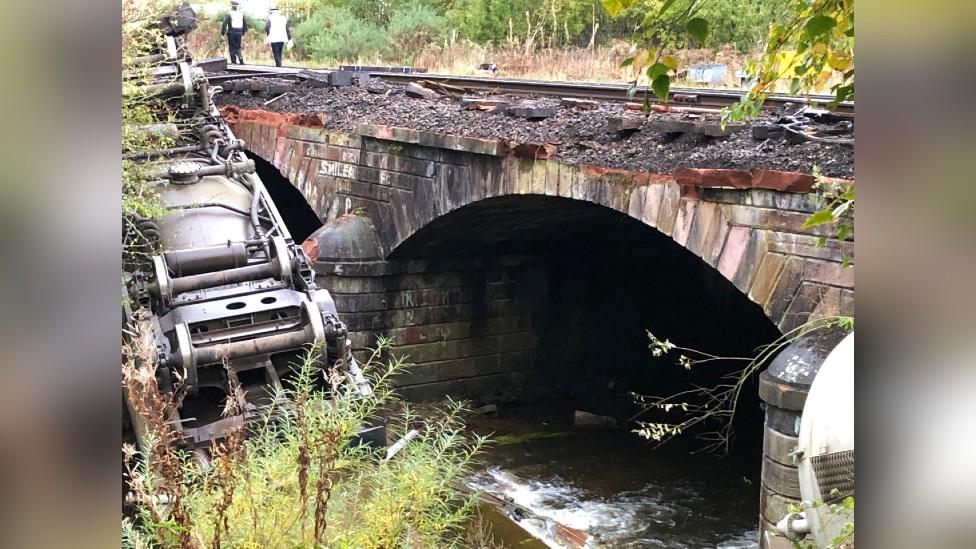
745	179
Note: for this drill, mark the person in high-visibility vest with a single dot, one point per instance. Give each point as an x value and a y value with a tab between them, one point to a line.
234	28
278	30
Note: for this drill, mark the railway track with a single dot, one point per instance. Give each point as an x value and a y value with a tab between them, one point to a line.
582	90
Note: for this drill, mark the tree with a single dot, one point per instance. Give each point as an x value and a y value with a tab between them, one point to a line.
695	408
815	38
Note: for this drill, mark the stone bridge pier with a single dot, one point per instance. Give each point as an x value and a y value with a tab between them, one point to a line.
502	276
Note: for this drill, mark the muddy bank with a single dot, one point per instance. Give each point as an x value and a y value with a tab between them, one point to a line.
580	136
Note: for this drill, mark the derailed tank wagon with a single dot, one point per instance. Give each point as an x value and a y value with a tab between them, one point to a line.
228	296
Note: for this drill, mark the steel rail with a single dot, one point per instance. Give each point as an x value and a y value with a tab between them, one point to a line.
581	90
218	78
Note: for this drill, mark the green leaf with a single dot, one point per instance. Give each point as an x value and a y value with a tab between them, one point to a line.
821	217
627	62
848	503
698	28
656	70
842	93
843	231
818	25
795	86
661	85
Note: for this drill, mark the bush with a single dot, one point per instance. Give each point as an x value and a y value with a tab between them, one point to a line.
336	35
413	28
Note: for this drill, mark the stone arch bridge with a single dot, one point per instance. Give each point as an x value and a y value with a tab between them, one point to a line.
434	241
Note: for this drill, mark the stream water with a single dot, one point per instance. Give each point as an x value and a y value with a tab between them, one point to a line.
611	485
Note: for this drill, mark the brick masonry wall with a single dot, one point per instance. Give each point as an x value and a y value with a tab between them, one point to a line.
467	326
745	224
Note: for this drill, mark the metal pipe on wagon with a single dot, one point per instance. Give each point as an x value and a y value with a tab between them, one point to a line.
221	278
249	347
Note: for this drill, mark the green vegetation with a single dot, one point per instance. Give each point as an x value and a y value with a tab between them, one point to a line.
140	201
495	21
334	34
845	538
807	43
837	212
743	24
399	31
296	477
414	27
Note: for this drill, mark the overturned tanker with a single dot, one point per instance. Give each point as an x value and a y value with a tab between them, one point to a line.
227	294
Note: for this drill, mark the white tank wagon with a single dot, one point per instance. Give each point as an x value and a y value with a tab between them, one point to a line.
228	295
825	455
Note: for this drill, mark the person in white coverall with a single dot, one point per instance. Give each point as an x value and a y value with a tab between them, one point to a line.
279	31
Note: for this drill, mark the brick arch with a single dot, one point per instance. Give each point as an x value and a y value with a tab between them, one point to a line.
735	221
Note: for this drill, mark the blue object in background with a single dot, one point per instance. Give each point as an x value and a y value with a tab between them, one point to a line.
706	73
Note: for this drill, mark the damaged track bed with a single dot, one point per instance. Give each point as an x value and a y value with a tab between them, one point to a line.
599	133
515	86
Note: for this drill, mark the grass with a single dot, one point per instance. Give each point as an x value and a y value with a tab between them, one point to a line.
297	479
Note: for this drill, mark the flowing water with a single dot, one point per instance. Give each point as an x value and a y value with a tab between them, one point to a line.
612	486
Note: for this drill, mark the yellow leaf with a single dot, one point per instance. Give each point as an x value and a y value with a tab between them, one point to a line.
822	79
671	62
839	61
641	59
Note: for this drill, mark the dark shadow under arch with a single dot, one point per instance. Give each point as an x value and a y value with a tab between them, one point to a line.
609	279
299	216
